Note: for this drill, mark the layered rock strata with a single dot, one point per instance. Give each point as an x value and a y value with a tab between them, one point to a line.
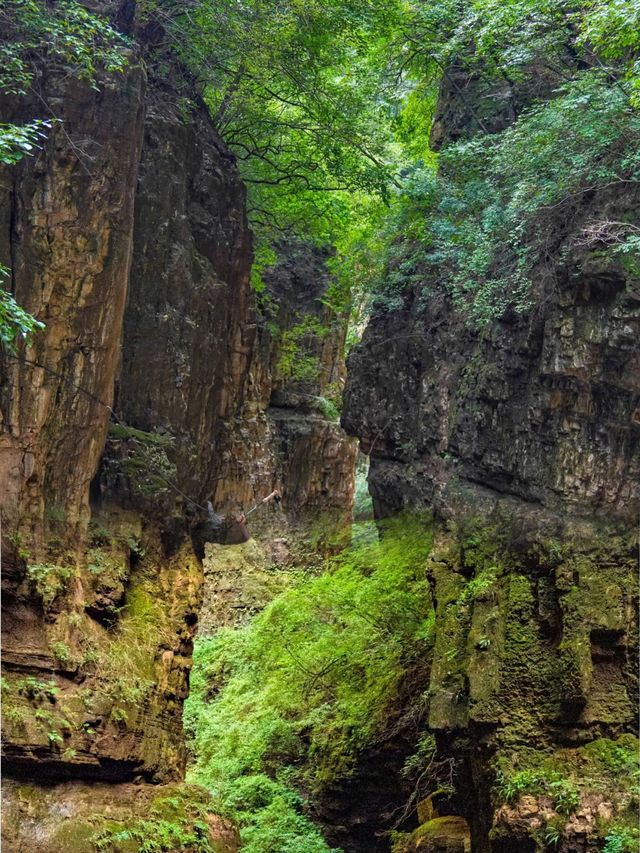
127	235
523	440
67	226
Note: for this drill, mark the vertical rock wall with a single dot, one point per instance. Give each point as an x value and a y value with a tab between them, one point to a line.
542	408
523	440
67	225
287	433
127	235
188	331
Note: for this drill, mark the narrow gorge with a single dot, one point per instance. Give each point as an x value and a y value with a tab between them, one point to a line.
320	426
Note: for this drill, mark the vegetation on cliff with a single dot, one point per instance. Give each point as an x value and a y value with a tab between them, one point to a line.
449	143
330	108
285	705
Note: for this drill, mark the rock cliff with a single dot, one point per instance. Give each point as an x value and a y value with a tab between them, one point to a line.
523	440
541	408
67	225
127	236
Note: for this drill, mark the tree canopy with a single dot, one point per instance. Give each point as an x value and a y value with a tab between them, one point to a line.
331	108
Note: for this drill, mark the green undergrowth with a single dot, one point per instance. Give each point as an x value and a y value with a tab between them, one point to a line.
49	580
621	839
604	765
178	819
173	823
607	769
296	362
283	706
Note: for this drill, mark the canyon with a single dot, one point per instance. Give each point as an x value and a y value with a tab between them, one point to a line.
162	381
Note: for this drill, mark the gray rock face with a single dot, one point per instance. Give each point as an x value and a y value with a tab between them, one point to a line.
524	439
542	408
188	328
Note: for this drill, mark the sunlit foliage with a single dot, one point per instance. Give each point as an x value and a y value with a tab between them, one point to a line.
287	703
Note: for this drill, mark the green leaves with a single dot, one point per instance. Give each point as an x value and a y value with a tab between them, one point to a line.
510	189
298	92
621	839
64	33
497	207
18	140
308	683
543	95
15	323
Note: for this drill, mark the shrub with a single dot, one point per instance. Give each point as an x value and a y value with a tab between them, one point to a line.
621	839
309	683
49	580
295	360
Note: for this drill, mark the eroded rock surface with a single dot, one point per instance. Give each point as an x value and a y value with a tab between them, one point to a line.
543	408
75	817
523	439
127	235
67	225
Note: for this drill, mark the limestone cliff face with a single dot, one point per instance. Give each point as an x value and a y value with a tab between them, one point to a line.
300	407
127	235
542	408
67	224
79	702
523	439
201	363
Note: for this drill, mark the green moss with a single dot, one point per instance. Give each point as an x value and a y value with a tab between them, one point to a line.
620	756
444	827
158	439
175	822
452	831
485	653
447	704
604	765
291	699
480	545
75	836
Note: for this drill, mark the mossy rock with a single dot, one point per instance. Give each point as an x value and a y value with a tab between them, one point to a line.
448	834
75	836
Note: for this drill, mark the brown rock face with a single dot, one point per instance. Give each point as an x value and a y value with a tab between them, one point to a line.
96	693
127	235
202	365
317	459
67	222
283	433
